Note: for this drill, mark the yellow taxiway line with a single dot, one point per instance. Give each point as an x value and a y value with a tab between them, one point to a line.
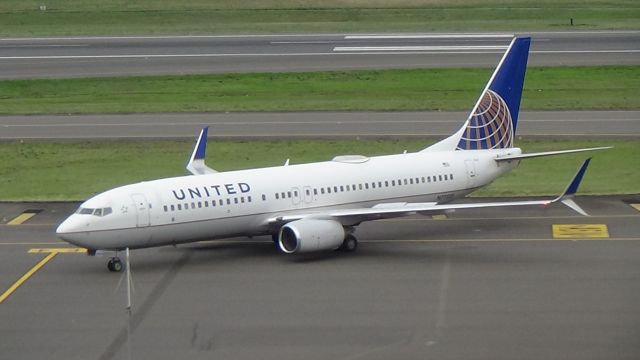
18	220
52	252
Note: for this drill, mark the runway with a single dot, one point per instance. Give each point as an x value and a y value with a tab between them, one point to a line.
480	284
146	55
573	124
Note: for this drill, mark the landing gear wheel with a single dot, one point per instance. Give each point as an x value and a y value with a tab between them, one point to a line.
114	264
350	244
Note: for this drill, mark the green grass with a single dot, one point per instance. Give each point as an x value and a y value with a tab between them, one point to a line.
605	87
92	17
73	171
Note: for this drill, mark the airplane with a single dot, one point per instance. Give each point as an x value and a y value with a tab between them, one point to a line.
317	206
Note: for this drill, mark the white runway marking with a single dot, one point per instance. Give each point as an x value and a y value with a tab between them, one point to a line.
420	48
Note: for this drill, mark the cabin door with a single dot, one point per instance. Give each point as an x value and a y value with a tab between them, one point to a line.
142	209
471	172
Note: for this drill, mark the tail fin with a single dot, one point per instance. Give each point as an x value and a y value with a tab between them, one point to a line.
493	120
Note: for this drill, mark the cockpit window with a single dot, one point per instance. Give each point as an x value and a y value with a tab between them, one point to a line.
84	211
96	212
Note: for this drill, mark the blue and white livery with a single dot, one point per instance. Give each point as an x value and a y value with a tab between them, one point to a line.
317	206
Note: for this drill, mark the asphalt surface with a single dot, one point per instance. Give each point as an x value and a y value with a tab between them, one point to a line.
573	124
486	284
111	56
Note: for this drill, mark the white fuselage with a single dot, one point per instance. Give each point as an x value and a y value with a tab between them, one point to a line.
238	203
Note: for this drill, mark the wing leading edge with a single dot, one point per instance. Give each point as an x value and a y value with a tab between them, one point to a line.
391	210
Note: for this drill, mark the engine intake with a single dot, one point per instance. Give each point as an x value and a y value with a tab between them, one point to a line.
308	235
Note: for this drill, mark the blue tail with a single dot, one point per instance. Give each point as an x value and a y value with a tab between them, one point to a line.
493	121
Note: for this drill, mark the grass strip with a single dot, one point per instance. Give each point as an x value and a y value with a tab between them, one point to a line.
603	87
93	17
73	171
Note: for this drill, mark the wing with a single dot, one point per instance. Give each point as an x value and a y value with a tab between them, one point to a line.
355	216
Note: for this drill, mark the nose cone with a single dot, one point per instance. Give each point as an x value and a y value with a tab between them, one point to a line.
71	231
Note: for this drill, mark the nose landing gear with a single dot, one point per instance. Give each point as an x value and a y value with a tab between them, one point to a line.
115	264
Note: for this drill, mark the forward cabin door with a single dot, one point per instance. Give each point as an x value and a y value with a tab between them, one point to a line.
142	209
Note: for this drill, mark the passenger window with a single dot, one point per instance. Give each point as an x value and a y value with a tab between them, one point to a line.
450	176
173	208
213	203
165	208
277	196
373	185
335	189
328	190
405	181
393	183
315	191
220	202
322	191
283	196
206	203
379	184
295	193
307	192
439	177
264	197
228	201
341	188
193	205
242	199
235	200
289	194
248	198
360	186
199	204
179	207
411	181
386	183
422	179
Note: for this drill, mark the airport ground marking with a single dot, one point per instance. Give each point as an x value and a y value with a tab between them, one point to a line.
635	206
580	231
51	253
18	220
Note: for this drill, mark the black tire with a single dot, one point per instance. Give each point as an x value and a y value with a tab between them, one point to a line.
350	244
114	265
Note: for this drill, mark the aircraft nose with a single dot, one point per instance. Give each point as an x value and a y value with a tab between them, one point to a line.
71	231
66	227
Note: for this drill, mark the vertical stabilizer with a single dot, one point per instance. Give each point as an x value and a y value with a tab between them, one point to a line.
493	120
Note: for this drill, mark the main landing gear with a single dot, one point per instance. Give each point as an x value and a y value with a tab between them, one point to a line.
350	243
115	264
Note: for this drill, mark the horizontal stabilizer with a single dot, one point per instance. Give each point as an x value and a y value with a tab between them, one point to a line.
547	153
196	164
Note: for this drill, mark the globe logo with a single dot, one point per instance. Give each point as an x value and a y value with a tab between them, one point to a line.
490	126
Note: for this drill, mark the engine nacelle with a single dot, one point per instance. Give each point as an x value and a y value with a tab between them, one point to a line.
308	235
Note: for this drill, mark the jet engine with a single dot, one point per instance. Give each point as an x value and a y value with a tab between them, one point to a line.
308	235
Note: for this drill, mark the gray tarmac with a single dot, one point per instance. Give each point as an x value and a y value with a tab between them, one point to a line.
489	284
571	124
152	55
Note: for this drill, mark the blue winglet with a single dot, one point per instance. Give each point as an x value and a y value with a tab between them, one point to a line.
201	146
567	196
577	179
196	163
